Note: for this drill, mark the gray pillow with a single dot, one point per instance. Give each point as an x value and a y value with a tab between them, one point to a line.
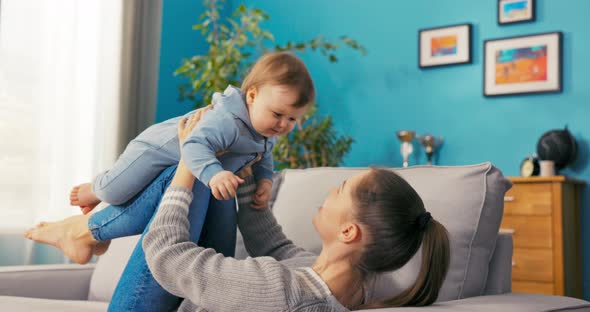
109	268
467	200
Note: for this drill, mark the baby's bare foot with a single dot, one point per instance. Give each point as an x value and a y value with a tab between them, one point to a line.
83	196
70	235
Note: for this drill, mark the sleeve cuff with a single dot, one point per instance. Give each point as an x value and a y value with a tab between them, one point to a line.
262	173
178	193
209	172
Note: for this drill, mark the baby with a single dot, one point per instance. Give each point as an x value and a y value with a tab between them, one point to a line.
238	132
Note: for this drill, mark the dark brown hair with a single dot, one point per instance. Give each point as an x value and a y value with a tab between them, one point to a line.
389	208
285	69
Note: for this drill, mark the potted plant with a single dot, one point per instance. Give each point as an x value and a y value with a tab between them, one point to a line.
232	41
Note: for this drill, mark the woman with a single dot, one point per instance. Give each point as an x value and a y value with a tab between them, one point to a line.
373	222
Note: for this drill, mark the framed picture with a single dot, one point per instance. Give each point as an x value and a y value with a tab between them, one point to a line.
521	65
442	46
515	11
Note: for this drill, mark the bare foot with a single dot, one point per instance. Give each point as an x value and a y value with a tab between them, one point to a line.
82	195
70	235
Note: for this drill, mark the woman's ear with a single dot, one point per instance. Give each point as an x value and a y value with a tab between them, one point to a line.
349	233
251	94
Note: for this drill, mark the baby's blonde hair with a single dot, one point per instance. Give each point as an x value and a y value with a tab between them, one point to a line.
284	69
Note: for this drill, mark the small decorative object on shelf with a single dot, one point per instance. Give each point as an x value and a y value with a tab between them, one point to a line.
530	166
547	168
406	136
559	146
430	143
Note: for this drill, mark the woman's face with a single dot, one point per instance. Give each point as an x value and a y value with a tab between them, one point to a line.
337	209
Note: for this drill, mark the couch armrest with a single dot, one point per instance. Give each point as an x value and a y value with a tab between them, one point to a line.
60	281
500	271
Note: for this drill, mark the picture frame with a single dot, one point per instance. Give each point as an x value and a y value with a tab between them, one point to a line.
516	11
523	65
442	46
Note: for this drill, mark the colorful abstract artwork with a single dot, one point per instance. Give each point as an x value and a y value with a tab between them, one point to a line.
521	65
446	45
515	11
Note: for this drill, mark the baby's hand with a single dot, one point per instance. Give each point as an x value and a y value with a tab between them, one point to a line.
262	196
224	184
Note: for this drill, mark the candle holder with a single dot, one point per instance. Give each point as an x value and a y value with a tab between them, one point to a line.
406	136
430	144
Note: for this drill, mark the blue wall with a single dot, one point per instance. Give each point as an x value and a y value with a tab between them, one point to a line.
372	97
178	41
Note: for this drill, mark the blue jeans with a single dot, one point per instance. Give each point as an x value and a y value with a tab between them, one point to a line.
215	228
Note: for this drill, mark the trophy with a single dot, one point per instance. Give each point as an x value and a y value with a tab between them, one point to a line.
406	136
430	143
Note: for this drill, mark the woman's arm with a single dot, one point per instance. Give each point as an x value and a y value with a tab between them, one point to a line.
183	177
206	278
263	236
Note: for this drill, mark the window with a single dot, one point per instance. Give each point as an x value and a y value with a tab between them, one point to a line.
60	65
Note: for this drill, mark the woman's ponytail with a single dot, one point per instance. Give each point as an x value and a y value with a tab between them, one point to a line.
434	267
394	214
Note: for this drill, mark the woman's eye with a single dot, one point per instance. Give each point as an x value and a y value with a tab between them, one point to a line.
276	114
291	119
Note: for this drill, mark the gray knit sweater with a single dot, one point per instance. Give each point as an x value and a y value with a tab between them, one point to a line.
278	278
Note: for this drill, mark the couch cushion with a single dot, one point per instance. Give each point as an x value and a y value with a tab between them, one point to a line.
503	303
109	268
24	304
500	274
467	200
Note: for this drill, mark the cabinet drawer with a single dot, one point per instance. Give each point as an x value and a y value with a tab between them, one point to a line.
528	199
533	287
529	231
532	265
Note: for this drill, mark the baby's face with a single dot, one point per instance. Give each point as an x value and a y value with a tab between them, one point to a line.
271	109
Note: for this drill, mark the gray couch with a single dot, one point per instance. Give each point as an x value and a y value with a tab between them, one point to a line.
468	200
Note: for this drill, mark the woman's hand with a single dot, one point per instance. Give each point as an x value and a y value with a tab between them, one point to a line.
262	196
183	177
186	125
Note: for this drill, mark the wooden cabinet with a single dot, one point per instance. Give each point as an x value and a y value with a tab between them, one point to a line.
543	215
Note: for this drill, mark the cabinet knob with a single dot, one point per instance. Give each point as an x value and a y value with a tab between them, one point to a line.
507	231
509	198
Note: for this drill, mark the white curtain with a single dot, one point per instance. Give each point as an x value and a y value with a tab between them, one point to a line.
60	99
